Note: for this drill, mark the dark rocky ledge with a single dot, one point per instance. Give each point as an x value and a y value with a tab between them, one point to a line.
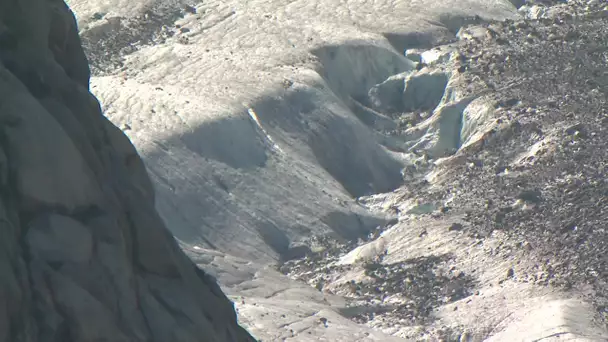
84	256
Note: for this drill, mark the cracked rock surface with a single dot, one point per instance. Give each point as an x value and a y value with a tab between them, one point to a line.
84	256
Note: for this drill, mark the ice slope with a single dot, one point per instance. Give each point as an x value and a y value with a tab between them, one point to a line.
243	114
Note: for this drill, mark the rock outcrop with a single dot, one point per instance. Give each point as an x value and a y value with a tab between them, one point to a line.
84	256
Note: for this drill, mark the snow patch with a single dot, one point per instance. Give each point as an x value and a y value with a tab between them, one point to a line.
255	119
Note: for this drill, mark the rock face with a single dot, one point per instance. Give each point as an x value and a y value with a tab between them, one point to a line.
84	256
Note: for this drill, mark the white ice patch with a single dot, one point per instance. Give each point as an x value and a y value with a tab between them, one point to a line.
255	119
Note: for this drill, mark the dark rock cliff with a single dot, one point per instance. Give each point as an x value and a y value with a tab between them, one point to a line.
84	256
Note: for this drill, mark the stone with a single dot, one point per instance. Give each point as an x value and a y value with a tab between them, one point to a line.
455	227
510	273
532	196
